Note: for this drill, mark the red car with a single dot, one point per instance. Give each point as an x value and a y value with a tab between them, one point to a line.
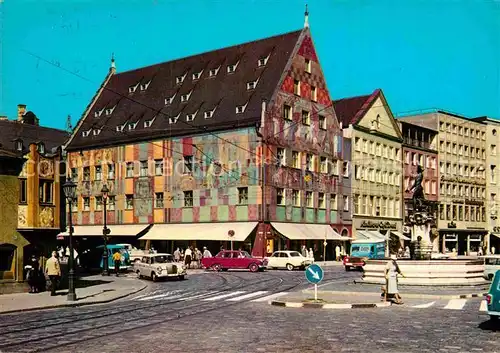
353	262
227	259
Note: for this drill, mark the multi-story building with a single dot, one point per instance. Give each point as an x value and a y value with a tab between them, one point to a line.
492	240
244	138
462	170
31	191
376	156
420	149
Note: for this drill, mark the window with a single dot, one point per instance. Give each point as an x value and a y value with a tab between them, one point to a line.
321	200
213	72
180	79
97	131
98	172
86	173
19	145
111	171
23	191
132	126
169	100
314	94
144	168
346	203
307	66
130	170
345	169
263	61
158	166
309	162
209	114
109	111
280	196
144	86
280	156
333	202
306	117
241	109
296	159
322	122
493	150
111	203
309	199
296	87
188	198
197	75
86	203
190	117
132	89
173	120
159	200
287	112
148	123
188	164
231	68
41	148
120	128
296	198
98	203
185	97
335	167
251	85
129	202
243	196
323	161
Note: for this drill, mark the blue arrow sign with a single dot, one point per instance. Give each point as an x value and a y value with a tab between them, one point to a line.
314	274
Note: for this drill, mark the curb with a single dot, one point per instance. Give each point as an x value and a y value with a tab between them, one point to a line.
74	304
330	306
406	295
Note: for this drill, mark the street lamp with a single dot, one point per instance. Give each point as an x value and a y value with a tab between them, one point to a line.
69	189
105	232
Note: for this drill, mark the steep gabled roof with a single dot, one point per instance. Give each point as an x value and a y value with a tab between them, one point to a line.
351	110
140	95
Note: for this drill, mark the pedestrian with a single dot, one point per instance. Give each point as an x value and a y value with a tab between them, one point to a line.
206	252
311	254
177	255
199	255
304	251
337	253
117	258
32	274
188	254
391	279
53	270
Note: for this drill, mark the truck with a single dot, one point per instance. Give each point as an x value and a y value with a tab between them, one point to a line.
362	250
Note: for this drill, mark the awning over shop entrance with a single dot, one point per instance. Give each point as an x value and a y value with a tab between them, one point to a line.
369	235
400	235
304	231
201	231
124	230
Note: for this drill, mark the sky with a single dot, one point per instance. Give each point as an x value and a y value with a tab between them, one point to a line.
423	54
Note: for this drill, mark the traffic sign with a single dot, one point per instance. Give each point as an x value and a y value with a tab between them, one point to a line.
314	274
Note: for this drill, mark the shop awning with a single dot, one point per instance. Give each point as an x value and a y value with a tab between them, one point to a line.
125	230
201	231
303	231
400	235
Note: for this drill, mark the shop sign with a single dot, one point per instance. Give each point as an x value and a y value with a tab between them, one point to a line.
380	225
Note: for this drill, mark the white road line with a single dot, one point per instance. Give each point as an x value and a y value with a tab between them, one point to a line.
158	296
483	306
456	304
426	305
224	296
199	295
246	296
166	296
270	297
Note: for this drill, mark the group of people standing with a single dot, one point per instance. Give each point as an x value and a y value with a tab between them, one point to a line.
38	270
191	256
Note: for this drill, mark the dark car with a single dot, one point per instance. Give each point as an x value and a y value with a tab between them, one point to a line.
227	259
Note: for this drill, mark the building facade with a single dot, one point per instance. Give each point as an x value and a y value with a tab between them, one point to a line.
376	158
244	138
462	170
32	203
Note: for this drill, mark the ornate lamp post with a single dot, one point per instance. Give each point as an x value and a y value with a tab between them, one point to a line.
69	189
105	232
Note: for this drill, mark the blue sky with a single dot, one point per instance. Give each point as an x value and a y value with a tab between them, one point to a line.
423	54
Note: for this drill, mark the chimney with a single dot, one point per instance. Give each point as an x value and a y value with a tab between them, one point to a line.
21	109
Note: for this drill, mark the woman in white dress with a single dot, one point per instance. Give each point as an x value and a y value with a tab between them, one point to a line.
391	279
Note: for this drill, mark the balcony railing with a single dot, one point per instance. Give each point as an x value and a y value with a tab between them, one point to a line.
417	143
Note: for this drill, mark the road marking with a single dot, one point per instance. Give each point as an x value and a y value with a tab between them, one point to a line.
483	306
270	297
456	304
246	296
200	295
426	305
224	296
158	296
166	296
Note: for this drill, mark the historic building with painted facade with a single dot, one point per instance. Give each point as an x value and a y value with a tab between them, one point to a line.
244	138
377	167
30	191
462	223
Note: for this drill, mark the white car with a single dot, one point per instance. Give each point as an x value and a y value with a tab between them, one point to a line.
156	266
288	259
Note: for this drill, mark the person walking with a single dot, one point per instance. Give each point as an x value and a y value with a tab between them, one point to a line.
177	255
32	274
304	251
188	254
337	253
117	258
391	279
53	270
206	252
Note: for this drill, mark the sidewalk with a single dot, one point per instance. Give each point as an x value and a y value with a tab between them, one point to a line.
329	300
91	290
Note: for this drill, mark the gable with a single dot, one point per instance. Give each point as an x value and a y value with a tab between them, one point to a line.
386	123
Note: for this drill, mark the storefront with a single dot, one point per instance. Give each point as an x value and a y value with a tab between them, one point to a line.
462	241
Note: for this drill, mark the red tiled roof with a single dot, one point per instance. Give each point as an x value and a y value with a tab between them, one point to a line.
351	110
222	92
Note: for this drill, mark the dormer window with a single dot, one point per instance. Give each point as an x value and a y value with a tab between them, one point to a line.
169	101
132	89
97	132
308	66
173	120
197	75
144	86
213	72
252	84
185	97
109	111
190	117
98	113
263	61
86	133
19	145
241	108
180	79
150	122
132	126
41	147
120	128
209	113
232	68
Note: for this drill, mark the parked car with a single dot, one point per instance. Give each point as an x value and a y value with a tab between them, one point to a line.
493	297
134	253
288	259
491	265
227	259
157	266
361	250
